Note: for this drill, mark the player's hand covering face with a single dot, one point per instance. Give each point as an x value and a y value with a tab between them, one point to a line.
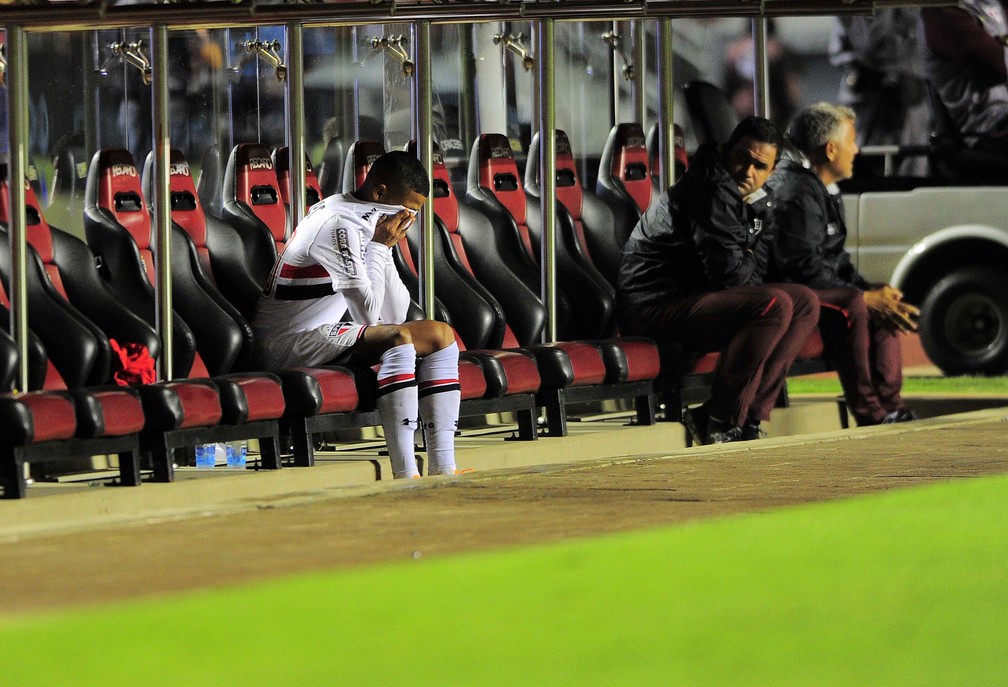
390	229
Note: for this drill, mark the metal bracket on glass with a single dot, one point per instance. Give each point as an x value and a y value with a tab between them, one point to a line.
267	50
615	41
130	53
514	44
393	46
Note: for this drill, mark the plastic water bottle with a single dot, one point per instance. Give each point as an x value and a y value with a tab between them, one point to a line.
236	452
205	456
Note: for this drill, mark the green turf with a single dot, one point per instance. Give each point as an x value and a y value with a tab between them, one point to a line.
905	588
981	386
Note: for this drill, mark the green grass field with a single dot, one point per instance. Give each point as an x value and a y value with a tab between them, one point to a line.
907	588
952	386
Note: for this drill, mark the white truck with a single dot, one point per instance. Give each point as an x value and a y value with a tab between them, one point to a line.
946	248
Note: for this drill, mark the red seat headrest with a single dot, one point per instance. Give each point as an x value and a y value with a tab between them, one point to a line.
568	185
359	159
497	172
281	162
679	149
37	230
256	187
186	209
630	163
119	193
679	141
444	201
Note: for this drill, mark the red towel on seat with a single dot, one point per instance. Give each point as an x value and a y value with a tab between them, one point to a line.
132	364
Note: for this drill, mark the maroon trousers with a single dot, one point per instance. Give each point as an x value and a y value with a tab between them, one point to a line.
868	358
759	331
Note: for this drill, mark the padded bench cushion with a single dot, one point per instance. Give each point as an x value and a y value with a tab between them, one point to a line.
108	412
705	364
250	397
180	405
35	417
310	391
642	358
629	359
568	363
813	347
472	380
508	372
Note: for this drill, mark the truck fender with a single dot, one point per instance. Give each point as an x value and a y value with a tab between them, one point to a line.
933	242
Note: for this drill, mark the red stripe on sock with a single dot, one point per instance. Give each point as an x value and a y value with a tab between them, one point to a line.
395	379
437	382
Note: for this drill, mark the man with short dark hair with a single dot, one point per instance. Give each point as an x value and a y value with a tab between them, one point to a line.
692	271
859	323
339	260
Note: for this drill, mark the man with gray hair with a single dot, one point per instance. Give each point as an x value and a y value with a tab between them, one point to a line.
860	323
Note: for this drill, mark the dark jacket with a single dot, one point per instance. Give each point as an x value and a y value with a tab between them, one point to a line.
698	237
810	231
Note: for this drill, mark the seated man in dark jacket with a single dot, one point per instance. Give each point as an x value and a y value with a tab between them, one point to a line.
860	324
692	270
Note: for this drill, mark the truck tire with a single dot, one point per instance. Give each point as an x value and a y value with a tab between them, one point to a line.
964	322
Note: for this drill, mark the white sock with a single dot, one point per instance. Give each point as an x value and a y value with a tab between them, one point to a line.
437	379
397	406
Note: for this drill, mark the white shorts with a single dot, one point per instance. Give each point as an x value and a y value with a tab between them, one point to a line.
330	343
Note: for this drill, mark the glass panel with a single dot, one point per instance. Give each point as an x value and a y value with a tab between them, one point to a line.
454	97
504	87
256	94
330	92
123	99
397	88
198	84
519	83
87	92
582	65
355	89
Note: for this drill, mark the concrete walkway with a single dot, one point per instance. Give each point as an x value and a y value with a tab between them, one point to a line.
59	508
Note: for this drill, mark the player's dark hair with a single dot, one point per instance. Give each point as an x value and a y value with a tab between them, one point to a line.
759	129
399	171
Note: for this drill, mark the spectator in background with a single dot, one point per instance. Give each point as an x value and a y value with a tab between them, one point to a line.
199	59
881	73
692	271
860	323
784	76
964	58
882	80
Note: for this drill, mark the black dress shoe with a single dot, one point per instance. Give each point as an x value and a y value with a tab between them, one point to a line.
704	429
901	415
695	420
727	436
751	431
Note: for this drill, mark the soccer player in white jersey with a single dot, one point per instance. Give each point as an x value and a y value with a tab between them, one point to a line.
334	297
